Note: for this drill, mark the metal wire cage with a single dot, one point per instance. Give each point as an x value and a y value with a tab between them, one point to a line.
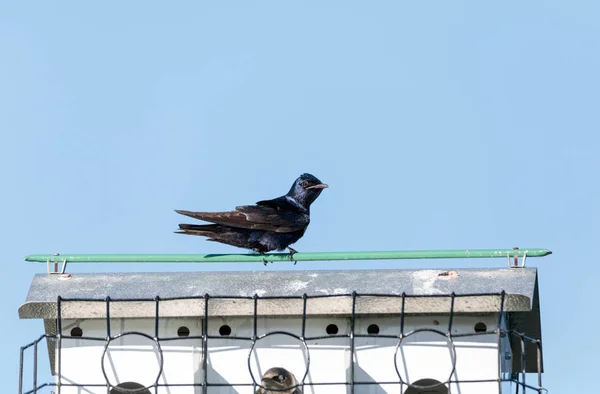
378	343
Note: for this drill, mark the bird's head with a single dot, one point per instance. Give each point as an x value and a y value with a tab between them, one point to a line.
306	189
279	379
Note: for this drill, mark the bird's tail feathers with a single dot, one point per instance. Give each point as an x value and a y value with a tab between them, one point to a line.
206	230
197	215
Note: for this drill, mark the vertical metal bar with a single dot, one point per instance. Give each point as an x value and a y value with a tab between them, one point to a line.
156	312
401	334
107	301
205	346
449	335
304	297
352	350
499	339
523	364
402	314
539	364
21	363
255	319
452	297
35	358
254	336
59	343
307	360
502	299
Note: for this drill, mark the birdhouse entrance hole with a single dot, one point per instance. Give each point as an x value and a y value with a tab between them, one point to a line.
435	387
129	388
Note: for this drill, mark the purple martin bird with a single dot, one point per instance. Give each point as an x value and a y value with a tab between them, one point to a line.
269	225
279	381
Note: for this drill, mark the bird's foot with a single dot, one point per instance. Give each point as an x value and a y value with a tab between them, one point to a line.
263	258
292	252
262	254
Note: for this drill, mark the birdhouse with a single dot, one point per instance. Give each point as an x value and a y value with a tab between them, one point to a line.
467	331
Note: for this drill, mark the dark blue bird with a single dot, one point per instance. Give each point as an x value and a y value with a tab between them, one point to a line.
269	225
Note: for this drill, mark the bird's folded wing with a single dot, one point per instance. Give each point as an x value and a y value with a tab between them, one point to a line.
255	218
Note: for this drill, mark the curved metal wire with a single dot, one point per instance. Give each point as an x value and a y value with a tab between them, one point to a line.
289	334
160	356
453	358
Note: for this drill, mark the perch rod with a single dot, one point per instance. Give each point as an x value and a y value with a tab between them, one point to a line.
318	256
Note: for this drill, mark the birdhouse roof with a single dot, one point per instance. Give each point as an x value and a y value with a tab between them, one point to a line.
182	293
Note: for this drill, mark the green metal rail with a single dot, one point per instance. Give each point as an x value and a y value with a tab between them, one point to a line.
254	258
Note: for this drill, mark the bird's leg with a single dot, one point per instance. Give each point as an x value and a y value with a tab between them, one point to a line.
260	252
292	251
263	259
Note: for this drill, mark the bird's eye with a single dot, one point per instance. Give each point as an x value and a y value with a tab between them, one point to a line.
281	378
305	184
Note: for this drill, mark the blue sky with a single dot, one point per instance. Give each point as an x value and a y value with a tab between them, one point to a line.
438	125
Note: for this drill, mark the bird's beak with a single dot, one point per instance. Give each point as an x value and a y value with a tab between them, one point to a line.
318	186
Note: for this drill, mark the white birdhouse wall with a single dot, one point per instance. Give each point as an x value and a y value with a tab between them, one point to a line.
423	355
